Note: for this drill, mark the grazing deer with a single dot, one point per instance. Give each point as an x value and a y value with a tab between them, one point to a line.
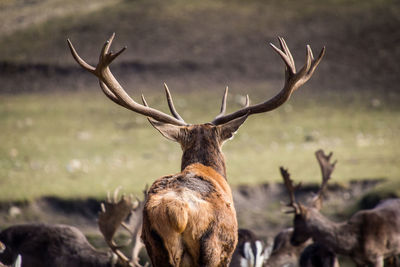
250	250
60	245
284	254
368	237
189	218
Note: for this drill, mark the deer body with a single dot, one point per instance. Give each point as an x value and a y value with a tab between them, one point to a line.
51	245
189	218
283	252
318	255
368	237
47	245
191	212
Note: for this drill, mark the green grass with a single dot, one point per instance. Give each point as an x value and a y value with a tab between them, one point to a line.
81	144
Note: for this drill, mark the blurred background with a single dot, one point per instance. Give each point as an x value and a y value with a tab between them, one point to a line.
61	138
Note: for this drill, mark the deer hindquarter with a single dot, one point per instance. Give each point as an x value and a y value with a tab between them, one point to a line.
190	220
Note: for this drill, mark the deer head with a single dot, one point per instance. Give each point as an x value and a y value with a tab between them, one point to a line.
302	212
207	137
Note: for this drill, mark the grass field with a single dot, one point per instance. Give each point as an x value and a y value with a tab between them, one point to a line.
58	139
80	144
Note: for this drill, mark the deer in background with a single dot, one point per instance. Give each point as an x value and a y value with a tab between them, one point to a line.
318	255
189	218
283	253
368	237
60	245
250	250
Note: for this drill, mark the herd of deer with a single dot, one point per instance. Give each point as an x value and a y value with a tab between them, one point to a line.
189	218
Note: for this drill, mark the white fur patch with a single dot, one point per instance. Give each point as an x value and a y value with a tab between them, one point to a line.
259	254
2	247
248	254
18	262
251	260
187	196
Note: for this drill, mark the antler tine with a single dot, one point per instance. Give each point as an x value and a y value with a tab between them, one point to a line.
113	89
116	192
326	166
171	104
223	104
290	188
293	80
326	170
247	103
78	59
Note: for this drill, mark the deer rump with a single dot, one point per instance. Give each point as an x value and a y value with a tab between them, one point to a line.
190	217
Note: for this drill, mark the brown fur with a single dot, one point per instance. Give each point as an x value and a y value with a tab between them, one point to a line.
48	245
368	237
184	216
283	252
189	217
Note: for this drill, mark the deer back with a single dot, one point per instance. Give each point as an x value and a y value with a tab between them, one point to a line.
194	208
50	245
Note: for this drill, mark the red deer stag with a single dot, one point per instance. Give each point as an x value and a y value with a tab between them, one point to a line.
250	250
60	245
368	237
189	218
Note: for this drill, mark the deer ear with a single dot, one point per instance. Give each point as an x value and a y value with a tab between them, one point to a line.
227	130
169	131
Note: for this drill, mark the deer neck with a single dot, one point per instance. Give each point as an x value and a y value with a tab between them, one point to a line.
337	236
205	154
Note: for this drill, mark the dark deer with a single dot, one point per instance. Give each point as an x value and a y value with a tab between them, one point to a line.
284	254
189	218
59	245
368	237
250	250
318	255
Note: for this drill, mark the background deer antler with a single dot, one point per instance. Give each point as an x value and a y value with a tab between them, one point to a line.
326	170
113	213
290	189
134	226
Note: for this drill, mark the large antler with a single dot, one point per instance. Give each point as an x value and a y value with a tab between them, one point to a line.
290	189
112	215
326	169
293	80
113	90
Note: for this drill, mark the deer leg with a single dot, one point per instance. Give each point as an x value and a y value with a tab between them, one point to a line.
210	250
156	249
216	250
379	261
